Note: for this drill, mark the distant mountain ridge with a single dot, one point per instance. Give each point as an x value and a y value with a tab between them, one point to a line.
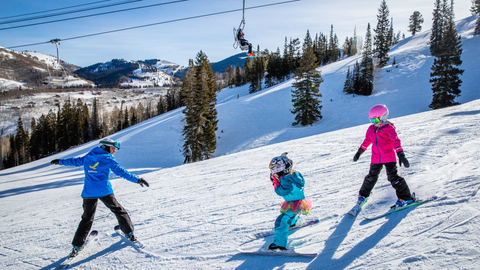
129	73
233	60
27	69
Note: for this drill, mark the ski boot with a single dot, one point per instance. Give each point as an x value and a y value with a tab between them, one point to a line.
361	199
401	203
75	251
131	237
275	247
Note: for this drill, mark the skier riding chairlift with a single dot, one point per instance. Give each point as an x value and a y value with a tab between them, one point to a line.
242	42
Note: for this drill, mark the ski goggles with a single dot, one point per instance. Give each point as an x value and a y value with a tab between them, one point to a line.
117	145
110	143
375	120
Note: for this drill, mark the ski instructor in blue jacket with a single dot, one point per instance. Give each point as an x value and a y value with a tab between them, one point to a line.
98	164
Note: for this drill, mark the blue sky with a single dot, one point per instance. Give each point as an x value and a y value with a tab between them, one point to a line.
180	41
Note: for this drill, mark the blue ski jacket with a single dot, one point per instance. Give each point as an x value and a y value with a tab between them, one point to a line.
97	165
291	187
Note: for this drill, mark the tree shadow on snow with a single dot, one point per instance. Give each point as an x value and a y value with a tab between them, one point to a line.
463	113
325	259
40	187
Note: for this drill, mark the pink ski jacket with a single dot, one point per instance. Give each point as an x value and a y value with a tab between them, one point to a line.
385	143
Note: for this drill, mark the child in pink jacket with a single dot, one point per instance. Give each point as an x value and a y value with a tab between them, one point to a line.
385	143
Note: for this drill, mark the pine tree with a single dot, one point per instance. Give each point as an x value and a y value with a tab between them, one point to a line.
441	15
476	11
348	85
382	42
133	116
238	76
445	76
305	97
205	72
83	116
415	24
366	66
95	126
2	166
333	51
274	69
126	119
161	105
64	131
391	36
356	79
120	118
256	73
51	132
200	122
21	144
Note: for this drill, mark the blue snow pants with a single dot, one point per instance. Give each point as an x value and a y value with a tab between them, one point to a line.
283	222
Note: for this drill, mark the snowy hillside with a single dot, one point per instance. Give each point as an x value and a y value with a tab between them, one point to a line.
136	74
14	62
194	216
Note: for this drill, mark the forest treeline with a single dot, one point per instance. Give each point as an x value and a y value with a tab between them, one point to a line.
74	123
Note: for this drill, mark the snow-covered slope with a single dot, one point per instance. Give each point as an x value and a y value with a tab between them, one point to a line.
194	216
14	64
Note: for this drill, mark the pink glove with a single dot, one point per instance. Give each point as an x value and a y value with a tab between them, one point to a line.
275	181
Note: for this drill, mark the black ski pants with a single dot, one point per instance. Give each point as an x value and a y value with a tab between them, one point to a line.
398	182
89	209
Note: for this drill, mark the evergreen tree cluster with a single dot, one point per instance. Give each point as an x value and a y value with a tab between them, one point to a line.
76	124
199	96
446	47
276	67
360	80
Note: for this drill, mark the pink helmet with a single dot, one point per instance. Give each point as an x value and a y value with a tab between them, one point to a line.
378	111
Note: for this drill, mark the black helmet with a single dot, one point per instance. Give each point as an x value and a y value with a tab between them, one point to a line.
281	164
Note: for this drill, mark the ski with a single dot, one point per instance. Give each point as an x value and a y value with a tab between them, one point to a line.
290	253
294	228
65	264
250	56
135	243
395	208
357	208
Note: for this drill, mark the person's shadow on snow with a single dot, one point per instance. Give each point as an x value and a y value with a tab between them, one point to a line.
325	259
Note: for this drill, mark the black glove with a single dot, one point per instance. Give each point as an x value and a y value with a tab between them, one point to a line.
143	182
402	160
55	162
358	154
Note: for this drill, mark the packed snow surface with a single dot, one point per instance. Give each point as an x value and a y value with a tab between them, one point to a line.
194	216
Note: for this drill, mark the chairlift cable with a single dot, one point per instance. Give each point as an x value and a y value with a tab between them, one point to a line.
68	12
50	10
159	23
92	15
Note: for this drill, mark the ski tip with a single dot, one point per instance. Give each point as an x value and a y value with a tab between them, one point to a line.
94	232
117	227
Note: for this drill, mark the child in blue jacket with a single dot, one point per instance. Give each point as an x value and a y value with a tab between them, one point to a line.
98	164
288	184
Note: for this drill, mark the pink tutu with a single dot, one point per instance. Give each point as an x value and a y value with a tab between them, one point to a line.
304	206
